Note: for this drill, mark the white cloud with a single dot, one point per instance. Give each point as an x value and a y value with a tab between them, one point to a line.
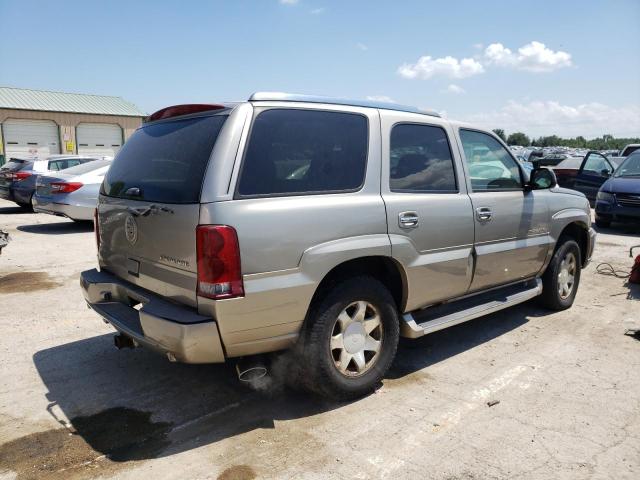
427	67
288	2
478	46
362	46
380	98
533	57
317	11
549	117
456	89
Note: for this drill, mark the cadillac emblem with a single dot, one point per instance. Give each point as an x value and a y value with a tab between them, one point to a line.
131	230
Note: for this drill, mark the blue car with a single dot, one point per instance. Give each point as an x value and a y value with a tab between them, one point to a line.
618	199
18	177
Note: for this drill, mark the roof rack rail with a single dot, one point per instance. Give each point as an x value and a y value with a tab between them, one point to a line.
296	97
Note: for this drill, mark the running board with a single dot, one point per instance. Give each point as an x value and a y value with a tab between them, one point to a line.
422	322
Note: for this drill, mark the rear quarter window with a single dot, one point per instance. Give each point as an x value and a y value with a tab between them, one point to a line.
165	161
297	152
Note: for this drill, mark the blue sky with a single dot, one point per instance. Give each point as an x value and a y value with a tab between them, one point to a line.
565	67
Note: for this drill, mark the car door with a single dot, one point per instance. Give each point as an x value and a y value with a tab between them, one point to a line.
595	170
429	214
511	224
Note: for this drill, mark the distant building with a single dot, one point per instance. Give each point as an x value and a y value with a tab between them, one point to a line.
36	123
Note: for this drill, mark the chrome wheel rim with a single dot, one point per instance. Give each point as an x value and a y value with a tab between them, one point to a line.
356	339
567	275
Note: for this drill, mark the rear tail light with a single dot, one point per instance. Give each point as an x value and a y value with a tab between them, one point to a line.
18	176
65	187
96	228
218	258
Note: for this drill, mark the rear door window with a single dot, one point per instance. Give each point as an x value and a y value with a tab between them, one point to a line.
164	161
296	152
421	160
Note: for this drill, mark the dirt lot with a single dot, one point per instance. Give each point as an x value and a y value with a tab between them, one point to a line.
72	406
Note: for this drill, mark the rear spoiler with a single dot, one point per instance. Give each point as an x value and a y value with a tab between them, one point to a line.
185	109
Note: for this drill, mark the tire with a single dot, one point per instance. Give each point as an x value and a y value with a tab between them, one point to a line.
600	222
558	276
335	321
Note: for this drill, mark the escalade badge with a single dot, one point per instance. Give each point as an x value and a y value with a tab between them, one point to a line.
131	230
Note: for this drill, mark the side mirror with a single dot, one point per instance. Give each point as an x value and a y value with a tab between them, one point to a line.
542	178
605	172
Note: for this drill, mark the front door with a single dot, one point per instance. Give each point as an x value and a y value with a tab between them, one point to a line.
429	215
511	225
595	170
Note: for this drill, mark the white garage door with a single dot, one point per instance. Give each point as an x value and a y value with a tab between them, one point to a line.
98	139
30	138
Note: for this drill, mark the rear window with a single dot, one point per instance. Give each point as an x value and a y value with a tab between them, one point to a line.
15	165
296	152
164	162
87	167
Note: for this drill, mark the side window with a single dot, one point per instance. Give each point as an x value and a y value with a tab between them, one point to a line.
295	151
71	163
490	166
54	166
596	163
420	160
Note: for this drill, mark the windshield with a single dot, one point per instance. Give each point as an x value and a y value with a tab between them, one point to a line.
630	167
164	161
87	167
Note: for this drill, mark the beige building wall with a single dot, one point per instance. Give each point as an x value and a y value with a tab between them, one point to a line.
67	123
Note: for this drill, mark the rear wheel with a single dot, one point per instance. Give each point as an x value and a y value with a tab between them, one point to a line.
351	339
562	277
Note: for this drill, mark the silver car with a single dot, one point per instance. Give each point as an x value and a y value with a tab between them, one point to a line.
326	226
71	193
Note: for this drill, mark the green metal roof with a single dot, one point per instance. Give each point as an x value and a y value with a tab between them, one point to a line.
24	99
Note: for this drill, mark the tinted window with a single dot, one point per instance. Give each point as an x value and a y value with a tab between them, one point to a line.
15	165
164	162
304	151
421	160
490	165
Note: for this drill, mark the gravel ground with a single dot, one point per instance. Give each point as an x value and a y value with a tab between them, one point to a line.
564	390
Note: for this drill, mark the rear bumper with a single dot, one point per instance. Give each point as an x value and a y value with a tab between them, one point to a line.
74	212
176	331
6	193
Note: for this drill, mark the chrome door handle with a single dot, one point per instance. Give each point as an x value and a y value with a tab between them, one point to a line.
408	220
484	214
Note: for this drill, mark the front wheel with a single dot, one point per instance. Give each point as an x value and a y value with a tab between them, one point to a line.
351	339
562	277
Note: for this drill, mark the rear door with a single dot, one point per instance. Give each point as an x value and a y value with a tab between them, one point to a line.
429	214
150	203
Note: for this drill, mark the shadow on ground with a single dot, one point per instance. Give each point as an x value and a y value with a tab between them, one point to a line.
134	404
59	228
13	210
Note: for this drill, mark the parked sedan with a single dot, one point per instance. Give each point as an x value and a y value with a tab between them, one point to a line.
619	197
72	193
18	177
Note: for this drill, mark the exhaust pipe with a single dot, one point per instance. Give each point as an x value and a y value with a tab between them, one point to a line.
251	369
121	341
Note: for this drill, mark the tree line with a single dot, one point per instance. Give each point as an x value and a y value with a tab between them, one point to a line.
606	142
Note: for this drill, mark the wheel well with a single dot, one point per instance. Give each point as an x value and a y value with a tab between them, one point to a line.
384	269
578	232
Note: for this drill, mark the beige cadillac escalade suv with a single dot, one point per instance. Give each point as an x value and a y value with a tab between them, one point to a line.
230	230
